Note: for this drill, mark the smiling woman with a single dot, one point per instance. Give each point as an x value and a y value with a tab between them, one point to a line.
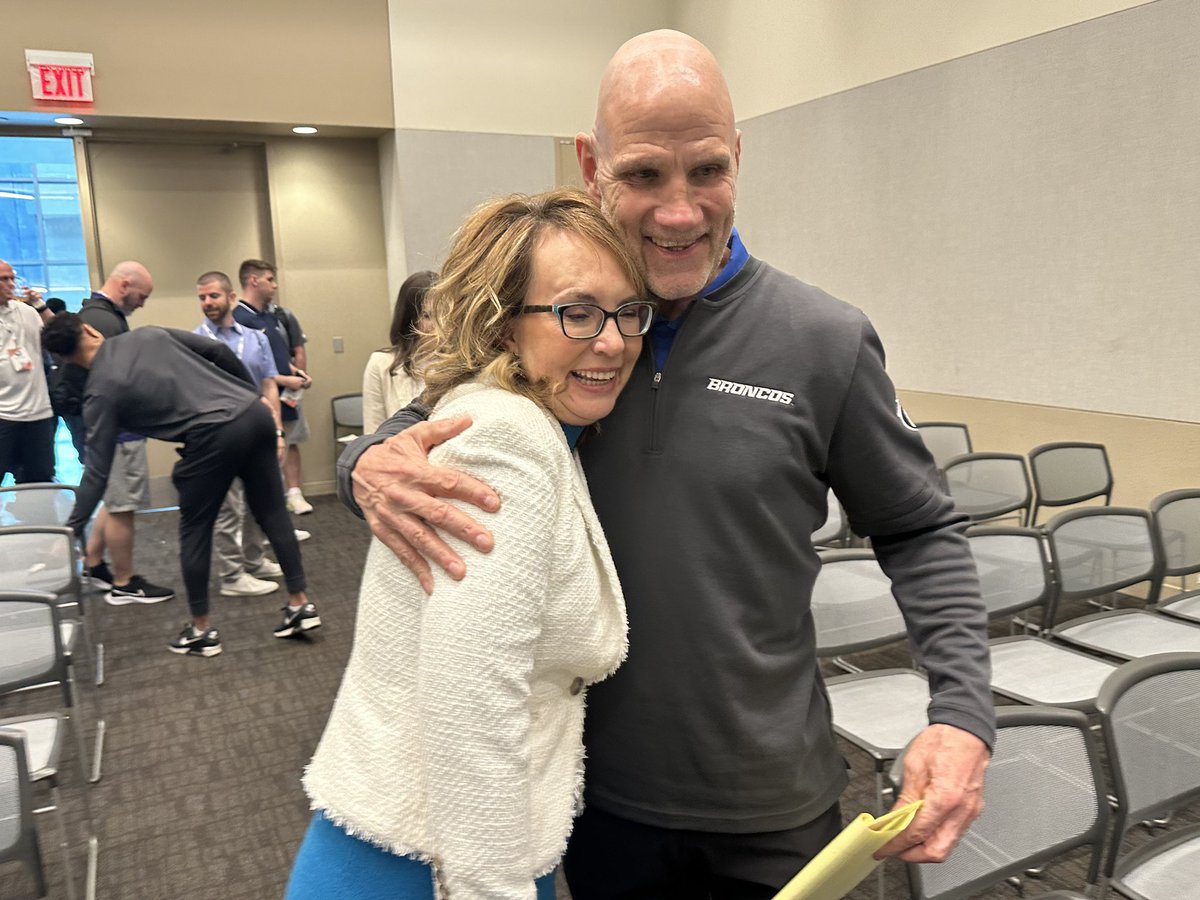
474	694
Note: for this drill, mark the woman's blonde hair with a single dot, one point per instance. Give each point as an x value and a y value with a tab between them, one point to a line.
482	287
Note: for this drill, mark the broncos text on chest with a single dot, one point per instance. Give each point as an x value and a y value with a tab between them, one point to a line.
749	390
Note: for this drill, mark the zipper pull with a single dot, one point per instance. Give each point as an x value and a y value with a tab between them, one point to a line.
657	380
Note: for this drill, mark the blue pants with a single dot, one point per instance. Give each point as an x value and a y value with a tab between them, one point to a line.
333	865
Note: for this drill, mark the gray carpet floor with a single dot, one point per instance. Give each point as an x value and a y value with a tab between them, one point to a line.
200	796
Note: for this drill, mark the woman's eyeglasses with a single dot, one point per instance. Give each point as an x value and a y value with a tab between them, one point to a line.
584	321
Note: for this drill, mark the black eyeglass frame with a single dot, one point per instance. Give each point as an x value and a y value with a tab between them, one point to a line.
559	308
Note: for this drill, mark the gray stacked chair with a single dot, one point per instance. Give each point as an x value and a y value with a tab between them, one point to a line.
1044	796
989	486
945	440
1069	472
44	559
347	412
49	505
1015	577
853	609
1150	713
31	654
18	834
36	504
835	531
1098	551
1177	530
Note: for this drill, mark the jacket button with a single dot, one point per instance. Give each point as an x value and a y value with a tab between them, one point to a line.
576	686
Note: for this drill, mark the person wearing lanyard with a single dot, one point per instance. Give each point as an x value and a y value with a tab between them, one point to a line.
242	562
26	420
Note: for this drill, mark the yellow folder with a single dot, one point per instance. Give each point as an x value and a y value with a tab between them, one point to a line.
848	858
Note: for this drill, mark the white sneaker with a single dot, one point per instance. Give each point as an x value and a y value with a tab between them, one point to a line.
268	568
246	585
302	535
296	502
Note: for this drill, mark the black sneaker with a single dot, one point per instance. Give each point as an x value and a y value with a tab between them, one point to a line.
297	620
206	643
101	575
139	590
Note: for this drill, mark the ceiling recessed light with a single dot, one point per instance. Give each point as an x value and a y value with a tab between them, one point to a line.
68	120
304	129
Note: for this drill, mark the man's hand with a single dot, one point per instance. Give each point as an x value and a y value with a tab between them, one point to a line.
291	382
399	493
944	766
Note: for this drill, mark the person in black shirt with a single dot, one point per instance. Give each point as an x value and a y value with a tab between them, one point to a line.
177	386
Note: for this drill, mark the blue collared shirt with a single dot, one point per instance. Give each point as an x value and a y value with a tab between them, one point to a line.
249	345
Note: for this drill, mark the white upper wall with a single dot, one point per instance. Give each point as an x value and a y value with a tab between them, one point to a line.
506	67
777	53
532	67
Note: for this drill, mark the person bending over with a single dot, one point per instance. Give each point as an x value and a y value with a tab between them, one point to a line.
177	386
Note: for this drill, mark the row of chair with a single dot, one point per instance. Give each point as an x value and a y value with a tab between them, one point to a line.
48	626
1046	793
991	485
1080	554
35	652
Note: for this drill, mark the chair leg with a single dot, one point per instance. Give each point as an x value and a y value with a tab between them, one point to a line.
68	871
93	865
77	727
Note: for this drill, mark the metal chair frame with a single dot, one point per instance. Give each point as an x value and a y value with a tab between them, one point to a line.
937	435
1186	604
25	847
997	802
57	670
1013	505
69	594
1036	462
1115	689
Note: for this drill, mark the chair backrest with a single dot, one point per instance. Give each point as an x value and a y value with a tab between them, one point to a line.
835	528
36	504
945	440
18	836
852	604
1043	796
348	411
1177	530
1069	472
1150	712
31	649
39	558
1014	570
988	485
1098	550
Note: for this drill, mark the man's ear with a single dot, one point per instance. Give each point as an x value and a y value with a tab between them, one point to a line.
585	152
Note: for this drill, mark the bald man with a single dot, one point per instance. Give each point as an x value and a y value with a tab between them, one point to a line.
125	291
712	767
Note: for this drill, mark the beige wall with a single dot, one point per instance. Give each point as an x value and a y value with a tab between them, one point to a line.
779	53
260	61
511	68
310	206
1148	456
328	226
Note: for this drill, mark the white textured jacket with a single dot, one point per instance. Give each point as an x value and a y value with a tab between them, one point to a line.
456	736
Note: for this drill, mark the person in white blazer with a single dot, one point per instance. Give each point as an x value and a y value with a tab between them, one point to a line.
452	763
390	380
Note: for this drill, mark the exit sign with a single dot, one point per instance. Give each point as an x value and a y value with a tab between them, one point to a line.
59	76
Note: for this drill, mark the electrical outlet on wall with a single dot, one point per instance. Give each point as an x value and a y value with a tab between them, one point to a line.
339	346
